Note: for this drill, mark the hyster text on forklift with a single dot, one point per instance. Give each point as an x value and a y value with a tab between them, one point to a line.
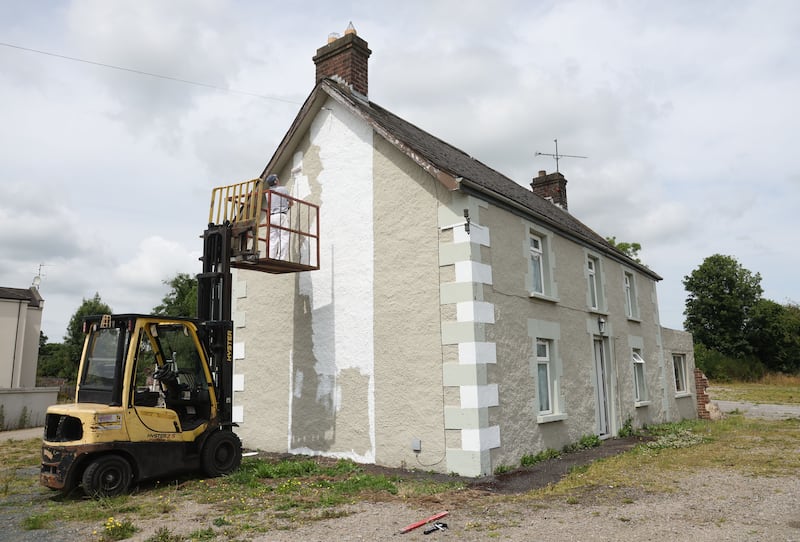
154	394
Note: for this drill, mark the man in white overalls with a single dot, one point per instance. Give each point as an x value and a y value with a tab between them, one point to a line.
278	216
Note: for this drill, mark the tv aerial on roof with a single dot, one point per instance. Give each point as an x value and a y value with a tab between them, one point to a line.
558	156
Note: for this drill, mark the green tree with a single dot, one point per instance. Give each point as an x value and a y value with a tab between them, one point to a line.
773	332
181	300
721	297
631	250
52	358
73	340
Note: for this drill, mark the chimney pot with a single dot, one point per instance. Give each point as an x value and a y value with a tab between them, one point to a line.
542	173
346	59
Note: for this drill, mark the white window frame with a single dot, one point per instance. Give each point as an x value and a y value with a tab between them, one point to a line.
539	285
631	298
593	274
543	361
639	378
537	257
546	371
679	368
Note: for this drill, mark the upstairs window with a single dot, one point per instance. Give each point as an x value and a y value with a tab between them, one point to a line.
631	303
594	282
537	261
539	280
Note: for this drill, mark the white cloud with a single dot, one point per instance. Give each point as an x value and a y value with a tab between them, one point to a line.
687	125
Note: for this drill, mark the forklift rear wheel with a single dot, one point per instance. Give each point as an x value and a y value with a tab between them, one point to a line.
222	453
107	476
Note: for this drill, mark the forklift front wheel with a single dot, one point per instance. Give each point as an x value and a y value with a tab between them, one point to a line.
107	476
222	453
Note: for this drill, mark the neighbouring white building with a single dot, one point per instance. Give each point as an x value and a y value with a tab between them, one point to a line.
21	403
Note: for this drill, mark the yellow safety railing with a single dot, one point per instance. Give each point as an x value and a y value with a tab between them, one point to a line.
235	203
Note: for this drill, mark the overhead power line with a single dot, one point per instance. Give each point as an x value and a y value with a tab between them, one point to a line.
149	74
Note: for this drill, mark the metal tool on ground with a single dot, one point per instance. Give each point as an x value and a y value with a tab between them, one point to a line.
419	524
437	526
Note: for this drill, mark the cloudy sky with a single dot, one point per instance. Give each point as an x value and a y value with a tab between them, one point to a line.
684	110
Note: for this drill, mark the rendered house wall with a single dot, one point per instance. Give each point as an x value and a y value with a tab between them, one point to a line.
680	342
9	330
20	324
354	348
519	318
408	349
414	329
308	369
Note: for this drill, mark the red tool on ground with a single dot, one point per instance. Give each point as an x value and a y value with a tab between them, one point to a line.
423	522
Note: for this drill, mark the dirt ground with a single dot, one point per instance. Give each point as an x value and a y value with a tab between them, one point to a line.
710	504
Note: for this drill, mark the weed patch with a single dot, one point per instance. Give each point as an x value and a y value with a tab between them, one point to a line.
114	529
36	522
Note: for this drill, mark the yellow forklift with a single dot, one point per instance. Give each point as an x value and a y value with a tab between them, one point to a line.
154	394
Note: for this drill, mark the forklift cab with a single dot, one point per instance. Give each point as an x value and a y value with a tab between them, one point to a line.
147	405
158	368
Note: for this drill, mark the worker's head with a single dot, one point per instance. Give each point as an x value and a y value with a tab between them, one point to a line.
272	180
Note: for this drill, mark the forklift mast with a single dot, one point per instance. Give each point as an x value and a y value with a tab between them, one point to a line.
214	312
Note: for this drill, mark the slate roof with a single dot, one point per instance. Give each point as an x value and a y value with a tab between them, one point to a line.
21	294
473	175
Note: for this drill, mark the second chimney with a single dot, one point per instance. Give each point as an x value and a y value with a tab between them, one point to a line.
552	187
346	59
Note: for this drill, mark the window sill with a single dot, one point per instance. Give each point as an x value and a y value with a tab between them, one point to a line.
543	297
547	418
682	394
638	404
634	319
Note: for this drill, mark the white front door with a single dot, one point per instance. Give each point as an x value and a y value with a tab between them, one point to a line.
602	379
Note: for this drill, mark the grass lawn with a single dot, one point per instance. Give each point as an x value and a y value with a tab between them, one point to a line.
777	389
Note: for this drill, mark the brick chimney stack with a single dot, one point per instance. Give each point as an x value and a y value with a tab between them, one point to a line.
345	59
552	187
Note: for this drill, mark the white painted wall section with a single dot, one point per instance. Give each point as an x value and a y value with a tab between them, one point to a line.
475	311
238	350
477	352
479	440
477	234
479	396
342	308
238	382
237	414
470	271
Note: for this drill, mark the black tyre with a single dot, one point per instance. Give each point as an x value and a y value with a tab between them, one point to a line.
222	453
107	476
